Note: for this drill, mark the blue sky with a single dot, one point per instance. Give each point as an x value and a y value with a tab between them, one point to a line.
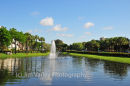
68	20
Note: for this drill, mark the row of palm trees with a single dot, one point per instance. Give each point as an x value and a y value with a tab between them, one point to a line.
34	42
118	44
114	44
28	41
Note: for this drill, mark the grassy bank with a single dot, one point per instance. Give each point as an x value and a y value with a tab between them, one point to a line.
118	54
22	55
108	58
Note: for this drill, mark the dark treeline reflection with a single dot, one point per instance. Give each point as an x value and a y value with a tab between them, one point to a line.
92	64
113	69
9	67
116	70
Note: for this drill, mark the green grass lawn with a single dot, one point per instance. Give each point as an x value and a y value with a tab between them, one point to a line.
23	55
108	58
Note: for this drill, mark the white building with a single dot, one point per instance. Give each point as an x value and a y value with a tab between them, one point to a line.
19	46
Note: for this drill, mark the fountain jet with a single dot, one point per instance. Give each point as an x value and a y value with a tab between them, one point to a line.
53	50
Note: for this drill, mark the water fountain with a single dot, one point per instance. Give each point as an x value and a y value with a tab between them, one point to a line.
53	50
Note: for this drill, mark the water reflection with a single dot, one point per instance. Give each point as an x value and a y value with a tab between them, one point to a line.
68	64
8	67
10	64
116	70
92	64
49	68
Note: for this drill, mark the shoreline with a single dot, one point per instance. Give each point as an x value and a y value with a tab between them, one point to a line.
20	55
114	54
107	58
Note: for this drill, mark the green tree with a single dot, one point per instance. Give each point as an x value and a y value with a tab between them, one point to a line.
59	44
32	42
46	47
17	36
92	45
36	41
107	44
64	47
42	39
77	46
121	43
5	38
28	41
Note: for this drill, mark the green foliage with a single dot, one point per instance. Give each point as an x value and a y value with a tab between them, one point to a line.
5	38
16	35
36	43
36	37
64	47
27	40
46	47
59	44
77	46
22	37
92	45
118	44
42	39
115	44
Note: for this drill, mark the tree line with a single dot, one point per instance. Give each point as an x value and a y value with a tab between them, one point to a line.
114	44
33	43
28	41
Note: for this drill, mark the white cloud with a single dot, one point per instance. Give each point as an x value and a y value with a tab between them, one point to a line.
108	28
88	33
48	21
88	25
64	35
35	13
59	28
0	26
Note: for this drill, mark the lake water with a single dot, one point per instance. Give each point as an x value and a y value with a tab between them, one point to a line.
63	71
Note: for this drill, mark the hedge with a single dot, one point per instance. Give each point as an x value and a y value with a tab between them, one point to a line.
119	54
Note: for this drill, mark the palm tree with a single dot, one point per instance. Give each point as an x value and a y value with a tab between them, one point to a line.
42	39
28	39
32	39
36	39
122	41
